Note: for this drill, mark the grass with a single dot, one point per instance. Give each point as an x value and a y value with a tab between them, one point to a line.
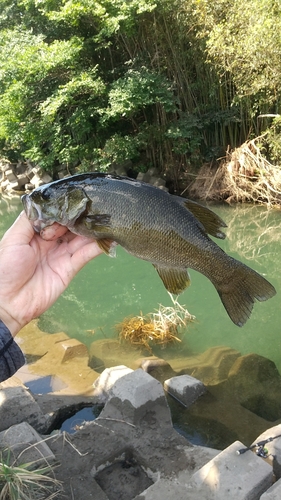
25	481
161	327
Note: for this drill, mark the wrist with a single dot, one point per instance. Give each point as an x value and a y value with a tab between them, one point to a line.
10	322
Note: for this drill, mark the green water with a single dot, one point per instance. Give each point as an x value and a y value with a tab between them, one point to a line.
107	289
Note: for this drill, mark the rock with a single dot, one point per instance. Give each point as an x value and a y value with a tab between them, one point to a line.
73	349
211	367
138	399
12	185
233	476
107	379
273	493
185	389
156	367
22	179
29	186
26	445
153	172
62	174
143	176
256	383
17	405
10	175
39	180
103	354
4	165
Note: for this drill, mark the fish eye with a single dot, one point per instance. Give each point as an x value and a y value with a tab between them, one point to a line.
45	195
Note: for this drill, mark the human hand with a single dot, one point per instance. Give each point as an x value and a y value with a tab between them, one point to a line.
35	271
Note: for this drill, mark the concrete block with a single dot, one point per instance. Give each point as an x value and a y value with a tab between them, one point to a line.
185	389
4	165
137	398
16	406
29	186
4	184
26	445
12	185
73	349
107	379
39	180
10	175
273	493
46	178
22	180
36	170
233	476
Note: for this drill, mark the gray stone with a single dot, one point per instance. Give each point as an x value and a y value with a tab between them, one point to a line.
16	406
10	175
256	383
233	476
107	379
12	185
185	389
143	176
22	180
156	367
158	182
26	445
273	493
136	398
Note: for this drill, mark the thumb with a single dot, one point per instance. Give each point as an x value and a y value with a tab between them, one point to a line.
20	233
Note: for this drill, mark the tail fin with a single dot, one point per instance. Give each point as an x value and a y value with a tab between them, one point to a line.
239	294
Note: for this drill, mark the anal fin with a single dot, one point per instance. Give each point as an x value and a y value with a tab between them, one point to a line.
175	280
107	246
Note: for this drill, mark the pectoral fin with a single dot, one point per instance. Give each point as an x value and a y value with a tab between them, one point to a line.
211	222
175	280
98	222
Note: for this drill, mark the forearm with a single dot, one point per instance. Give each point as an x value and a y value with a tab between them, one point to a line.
11	356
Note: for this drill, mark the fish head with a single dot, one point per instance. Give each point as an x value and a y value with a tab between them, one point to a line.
54	202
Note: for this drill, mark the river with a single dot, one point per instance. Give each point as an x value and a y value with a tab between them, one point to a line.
109	289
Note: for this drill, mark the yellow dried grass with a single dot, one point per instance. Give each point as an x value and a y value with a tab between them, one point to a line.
159	328
245	175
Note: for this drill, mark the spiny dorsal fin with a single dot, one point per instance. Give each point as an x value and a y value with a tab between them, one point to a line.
209	220
175	280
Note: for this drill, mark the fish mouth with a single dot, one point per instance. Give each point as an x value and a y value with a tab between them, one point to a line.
34	214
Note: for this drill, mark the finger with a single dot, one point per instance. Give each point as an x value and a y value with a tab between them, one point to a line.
20	233
84	254
76	242
53	232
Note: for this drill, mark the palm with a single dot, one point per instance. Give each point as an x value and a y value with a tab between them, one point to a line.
34	272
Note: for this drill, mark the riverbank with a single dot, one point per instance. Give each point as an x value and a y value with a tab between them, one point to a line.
131	450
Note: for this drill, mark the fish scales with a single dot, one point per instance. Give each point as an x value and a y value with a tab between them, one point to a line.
169	231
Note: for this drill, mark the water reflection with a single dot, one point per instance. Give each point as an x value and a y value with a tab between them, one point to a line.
107	290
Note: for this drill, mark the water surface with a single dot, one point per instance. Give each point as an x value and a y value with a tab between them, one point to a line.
108	289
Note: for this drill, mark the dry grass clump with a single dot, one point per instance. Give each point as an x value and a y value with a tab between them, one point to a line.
26	481
244	176
161	327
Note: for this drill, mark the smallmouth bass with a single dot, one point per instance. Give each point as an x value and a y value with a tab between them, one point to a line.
169	231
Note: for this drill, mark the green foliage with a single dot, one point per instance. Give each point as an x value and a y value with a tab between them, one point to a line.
165	82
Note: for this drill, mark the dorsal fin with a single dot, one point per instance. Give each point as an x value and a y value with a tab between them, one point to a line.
209	220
